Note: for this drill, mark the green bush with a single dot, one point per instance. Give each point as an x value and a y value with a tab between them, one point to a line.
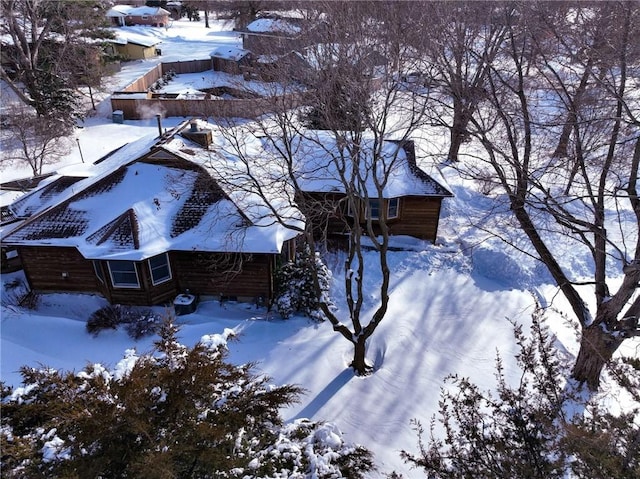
176	411
296	286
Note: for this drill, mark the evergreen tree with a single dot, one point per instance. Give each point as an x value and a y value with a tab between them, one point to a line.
176	412
296	285
50	49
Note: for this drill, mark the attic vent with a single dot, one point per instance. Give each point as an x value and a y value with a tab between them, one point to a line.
188	151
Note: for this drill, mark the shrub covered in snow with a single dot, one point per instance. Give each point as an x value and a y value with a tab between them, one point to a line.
138	322
174	412
296	289
535	429
17	293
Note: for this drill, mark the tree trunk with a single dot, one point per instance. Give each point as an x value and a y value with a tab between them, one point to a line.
596	349
458	131
457	138
359	364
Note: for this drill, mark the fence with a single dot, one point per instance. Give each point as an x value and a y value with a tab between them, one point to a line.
135	108
137	102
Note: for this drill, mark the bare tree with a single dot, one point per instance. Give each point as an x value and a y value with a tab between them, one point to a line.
460	42
33	140
597	206
47	45
358	105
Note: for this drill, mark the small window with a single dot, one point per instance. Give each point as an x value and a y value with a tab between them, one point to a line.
373	211
159	267
124	274
392	208
98	270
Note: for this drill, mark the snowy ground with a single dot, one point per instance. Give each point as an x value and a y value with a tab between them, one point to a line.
450	308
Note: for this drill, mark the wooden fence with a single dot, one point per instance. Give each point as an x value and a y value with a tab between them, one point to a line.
139	108
136	102
143	83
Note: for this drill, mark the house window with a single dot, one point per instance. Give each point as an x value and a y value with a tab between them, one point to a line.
373	210
375	207
123	274
392	208
159	267
98	270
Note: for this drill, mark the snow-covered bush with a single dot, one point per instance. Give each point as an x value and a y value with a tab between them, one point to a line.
17	293
138	322
296	290
174	412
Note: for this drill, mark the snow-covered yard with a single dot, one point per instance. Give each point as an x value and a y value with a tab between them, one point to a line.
450	312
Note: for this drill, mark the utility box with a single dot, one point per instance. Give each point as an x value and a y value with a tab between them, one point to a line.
117	116
185	303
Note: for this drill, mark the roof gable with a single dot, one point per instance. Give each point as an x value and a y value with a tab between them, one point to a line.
122	232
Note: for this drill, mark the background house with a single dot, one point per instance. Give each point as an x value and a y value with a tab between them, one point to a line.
411	199
136	47
230	59
145	224
126	15
272	36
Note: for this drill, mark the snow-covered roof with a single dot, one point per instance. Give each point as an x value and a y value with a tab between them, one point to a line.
131	11
319	157
130	209
229	53
161	194
123	37
273	25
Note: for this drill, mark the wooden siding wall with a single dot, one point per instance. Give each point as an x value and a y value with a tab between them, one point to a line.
203	273
419	217
146	295
196	272
43	267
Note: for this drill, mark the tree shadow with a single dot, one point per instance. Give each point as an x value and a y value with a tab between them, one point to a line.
324	396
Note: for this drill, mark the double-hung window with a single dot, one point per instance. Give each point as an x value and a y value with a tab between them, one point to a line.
124	274
160	270
392	208
375	208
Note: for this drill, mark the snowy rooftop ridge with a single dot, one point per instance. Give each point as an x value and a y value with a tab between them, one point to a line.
273	25
131	11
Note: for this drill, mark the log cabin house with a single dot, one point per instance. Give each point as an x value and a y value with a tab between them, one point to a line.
409	201
173	213
146	223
